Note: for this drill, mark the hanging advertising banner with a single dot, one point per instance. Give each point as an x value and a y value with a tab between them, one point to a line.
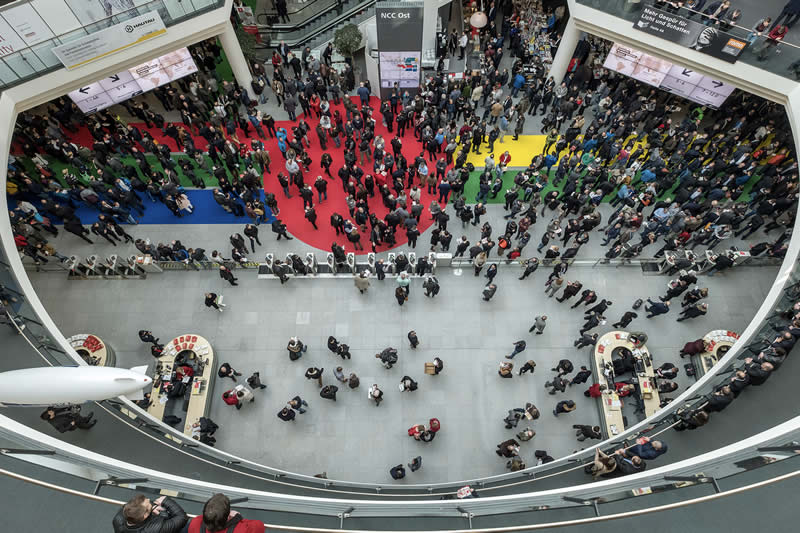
111	40
667	76
134	81
695	35
399	28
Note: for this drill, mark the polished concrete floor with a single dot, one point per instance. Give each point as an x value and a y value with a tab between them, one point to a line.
471	336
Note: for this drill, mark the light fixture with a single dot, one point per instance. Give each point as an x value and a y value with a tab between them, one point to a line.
478	20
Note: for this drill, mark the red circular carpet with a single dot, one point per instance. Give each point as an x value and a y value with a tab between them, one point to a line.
291	209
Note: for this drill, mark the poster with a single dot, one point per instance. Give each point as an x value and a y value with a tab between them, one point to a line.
399	67
694	35
27	24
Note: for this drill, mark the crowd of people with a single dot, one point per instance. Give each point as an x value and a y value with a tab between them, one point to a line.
677	177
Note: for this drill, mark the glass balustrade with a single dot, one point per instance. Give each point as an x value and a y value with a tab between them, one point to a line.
781	58
767	457
28	63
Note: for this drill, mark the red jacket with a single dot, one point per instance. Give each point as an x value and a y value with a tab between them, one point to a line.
230	398
245	526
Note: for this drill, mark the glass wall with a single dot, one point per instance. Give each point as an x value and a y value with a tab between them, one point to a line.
30	31
781	57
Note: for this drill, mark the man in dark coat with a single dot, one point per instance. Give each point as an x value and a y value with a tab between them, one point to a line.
140	515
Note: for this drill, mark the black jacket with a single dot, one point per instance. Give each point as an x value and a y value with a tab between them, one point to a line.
170	520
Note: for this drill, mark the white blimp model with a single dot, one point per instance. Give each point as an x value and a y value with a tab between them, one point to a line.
61	385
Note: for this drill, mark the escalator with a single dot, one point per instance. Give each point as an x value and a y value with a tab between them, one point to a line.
319	27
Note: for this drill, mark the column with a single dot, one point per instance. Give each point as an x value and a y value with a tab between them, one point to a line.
233	52
566	48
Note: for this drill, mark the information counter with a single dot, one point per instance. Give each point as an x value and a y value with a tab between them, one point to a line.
610	404
717	342
93	349
196	352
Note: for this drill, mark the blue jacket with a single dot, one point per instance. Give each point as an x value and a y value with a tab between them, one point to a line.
519	81
646	451
648	176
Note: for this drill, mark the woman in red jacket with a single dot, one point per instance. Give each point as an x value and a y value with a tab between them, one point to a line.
218	518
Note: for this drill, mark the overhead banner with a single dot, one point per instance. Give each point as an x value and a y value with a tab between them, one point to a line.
399	28
111	40
667	76
134	81
695	35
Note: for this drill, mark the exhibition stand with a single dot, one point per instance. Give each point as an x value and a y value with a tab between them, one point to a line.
190	350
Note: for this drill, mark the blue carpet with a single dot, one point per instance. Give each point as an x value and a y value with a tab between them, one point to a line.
206	211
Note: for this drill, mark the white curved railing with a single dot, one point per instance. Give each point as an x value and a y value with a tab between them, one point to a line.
771	446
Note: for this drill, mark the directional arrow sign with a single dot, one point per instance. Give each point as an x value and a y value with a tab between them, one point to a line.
686	72
84	90
717	84
115	77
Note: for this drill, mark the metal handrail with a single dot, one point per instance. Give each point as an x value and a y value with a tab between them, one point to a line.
148	480
507	529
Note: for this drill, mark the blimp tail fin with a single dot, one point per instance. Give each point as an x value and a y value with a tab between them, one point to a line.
139	394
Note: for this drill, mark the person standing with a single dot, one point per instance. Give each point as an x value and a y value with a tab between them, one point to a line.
375	394
519	347
693	312
254	381
226	274
586	340
625	320
529	366
431	285
413	339
553	285
587	432
65	419
296	348
287	415
139	514
211	302
564	406
530	267
314	373
539	324
227	371
218	517
328	392
361	281
398	472
462	45
489	291
655	309
582	376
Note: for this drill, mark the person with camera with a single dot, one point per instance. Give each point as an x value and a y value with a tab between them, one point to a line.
141	515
